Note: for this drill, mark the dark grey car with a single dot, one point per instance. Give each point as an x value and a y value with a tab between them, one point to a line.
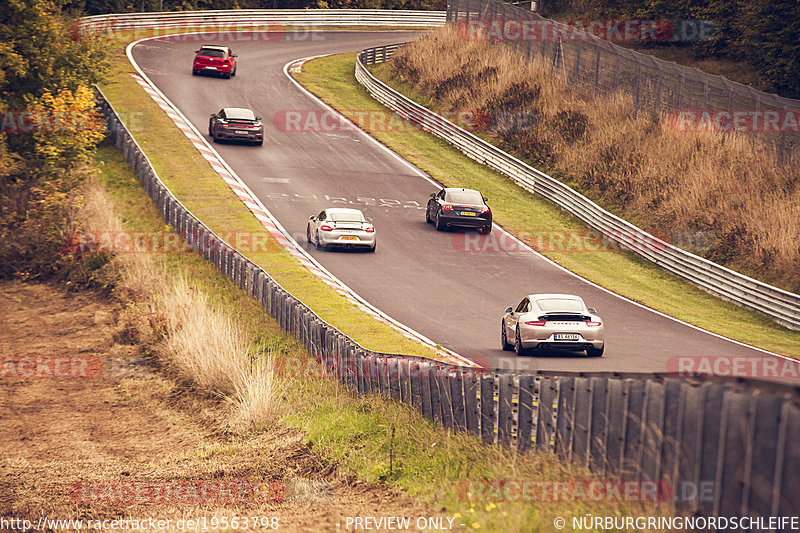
236	124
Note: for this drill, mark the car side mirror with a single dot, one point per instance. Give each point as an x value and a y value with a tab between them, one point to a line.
509	310
369	220
311	217
213	115
433	195
234	55
592	310
485	199
258	118
196	51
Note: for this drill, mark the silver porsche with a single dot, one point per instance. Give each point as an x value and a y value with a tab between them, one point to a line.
555	321
338	226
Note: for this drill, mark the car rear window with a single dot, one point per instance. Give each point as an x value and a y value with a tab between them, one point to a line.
560	304
239	114
465	197
207	52
346	217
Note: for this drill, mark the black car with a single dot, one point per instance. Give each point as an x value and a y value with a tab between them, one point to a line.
461	208
236	124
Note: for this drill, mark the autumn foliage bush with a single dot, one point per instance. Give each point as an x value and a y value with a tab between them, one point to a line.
713	194
50	129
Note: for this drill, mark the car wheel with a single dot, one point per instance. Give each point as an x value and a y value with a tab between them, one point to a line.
194	72
233	73
428	218
372	250
486	230
319	244
504	338
226	75
308	235
439	224
595	352
518	344
259	143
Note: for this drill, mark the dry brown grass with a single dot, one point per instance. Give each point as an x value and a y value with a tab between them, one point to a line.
190	335
707	192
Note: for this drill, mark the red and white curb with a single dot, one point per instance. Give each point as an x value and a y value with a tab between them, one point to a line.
272	225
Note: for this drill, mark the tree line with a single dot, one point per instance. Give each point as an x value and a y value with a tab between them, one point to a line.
49	130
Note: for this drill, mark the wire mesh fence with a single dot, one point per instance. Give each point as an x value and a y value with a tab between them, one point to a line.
692	98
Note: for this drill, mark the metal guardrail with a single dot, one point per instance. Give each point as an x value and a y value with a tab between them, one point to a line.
712	446
280	17
781	305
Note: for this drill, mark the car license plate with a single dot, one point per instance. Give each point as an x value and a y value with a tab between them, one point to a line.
240	132
566	337
348	238
211	68
468	214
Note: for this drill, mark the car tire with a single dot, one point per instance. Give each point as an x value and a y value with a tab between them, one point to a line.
503	340
372	250
486	230
595	352
194	72
318	244
518	349
439	225
226	75
308	235
259	143
428	218
234	72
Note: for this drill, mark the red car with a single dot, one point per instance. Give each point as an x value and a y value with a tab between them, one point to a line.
217	59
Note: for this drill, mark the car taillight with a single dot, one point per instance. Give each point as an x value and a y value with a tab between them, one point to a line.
325	227
447	207
536	323
592	324
370	230
484	210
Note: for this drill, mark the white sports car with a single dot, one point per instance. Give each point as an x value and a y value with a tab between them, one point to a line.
558	321
338	226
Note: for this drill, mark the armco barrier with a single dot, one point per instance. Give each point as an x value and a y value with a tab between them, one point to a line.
726	447
250	17
781	305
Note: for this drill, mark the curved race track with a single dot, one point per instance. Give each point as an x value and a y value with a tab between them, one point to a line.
417	276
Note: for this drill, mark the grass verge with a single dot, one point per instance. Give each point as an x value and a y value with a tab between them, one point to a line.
381	441
332	79
201	190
